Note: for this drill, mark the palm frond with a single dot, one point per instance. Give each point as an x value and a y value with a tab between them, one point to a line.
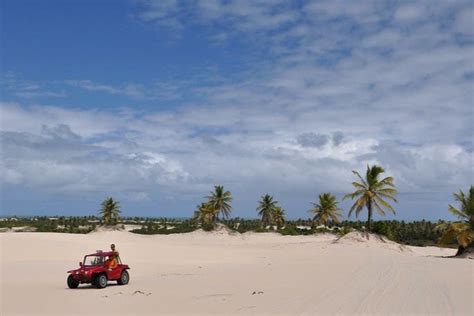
457	212
354	194
391	191
388	181
378	208
388	196
448	236
360	177
465	238
384	204
357	207
358	185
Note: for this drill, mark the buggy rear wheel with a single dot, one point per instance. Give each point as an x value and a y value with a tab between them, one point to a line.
124	278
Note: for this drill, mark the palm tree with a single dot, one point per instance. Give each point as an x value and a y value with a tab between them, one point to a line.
463	230
205	214
278	216
266	208
370	193
110	211
327	210
221	201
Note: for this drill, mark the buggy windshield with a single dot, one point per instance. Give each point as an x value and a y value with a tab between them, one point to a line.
94	260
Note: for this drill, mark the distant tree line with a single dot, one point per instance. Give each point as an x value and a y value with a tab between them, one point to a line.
419	233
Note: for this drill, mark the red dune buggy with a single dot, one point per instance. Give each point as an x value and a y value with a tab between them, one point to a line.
96	271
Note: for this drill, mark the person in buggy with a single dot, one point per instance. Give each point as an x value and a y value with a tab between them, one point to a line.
112	262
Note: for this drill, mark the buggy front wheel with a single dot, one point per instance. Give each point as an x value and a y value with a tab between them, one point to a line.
100	281
72	283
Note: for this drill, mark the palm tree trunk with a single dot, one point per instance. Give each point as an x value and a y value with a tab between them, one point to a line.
462	250
369	220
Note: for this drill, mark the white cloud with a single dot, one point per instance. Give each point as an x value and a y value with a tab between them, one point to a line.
465	21
409	12
31	119
173	156
17	86
91	86
157	90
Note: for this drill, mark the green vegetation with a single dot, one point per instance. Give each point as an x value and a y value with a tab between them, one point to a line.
110	211
270	213
370	193
278	217
463	230
418	233
266	207
164	226
59	224
326	211
206	214
220	201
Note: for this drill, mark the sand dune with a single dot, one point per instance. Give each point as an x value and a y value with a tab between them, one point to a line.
371	240
243	274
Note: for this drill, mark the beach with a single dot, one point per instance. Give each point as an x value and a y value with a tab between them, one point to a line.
222	273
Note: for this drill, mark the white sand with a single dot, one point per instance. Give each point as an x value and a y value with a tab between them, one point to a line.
248	274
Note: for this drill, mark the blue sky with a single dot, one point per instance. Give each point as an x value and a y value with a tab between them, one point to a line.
155	102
